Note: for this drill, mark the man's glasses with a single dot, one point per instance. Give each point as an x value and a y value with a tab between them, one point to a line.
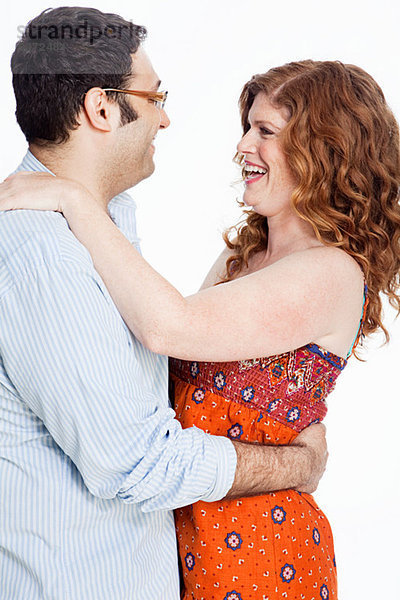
159	98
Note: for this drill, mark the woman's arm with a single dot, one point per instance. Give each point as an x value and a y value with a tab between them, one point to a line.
276	309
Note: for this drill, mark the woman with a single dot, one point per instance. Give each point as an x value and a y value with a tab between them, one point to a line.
301	284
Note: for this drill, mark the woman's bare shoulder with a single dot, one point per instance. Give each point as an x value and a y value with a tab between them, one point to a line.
338	274
345	284
340	265
218	269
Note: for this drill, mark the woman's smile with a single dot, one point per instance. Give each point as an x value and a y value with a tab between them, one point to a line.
252	172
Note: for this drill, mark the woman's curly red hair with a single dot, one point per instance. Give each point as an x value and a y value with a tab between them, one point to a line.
342	144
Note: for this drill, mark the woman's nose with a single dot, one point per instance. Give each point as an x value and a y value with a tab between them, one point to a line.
247	144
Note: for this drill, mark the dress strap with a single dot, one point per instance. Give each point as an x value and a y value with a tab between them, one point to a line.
360	334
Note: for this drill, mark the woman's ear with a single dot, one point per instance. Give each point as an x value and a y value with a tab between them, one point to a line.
99	111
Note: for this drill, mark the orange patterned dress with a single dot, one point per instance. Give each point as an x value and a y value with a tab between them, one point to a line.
277	545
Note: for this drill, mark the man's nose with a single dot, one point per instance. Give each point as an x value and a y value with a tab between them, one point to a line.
164	119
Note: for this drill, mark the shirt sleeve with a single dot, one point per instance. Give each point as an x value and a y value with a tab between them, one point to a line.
70	358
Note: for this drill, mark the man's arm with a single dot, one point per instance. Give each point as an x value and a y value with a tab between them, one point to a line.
262	469
69	357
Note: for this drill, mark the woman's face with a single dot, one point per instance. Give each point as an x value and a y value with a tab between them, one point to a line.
269	181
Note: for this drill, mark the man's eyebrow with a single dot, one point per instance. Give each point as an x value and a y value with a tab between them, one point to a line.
156	86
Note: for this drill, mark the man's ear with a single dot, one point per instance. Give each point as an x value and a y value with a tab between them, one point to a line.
98	109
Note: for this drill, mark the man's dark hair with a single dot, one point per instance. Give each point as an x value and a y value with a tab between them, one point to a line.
63	52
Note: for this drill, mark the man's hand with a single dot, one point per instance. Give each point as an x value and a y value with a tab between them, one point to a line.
313	441
261	469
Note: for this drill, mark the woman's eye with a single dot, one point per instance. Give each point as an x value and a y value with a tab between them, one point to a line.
265	131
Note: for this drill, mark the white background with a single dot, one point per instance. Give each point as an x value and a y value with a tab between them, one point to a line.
204	52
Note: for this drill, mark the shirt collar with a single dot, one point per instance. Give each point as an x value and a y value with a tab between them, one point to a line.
31	163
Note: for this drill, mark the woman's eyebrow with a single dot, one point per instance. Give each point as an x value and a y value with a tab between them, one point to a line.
264	122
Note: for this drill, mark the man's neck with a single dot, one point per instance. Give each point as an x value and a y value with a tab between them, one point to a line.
79	167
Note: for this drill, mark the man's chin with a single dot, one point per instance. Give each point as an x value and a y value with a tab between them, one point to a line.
149	171
138	177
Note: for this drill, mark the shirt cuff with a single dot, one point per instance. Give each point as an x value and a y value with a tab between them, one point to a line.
224	453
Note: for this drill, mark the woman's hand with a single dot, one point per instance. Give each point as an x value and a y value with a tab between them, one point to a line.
42	191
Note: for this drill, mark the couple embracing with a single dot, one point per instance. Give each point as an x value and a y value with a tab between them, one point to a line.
93	455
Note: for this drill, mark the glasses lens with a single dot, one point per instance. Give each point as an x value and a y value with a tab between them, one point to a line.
161	103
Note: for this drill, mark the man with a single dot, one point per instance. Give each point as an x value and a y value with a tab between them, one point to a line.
91	458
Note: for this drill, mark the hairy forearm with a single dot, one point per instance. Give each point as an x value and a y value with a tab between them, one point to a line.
262	469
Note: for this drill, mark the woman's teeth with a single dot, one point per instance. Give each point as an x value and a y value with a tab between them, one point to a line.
250	172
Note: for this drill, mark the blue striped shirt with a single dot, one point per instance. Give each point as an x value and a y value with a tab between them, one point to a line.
91	458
